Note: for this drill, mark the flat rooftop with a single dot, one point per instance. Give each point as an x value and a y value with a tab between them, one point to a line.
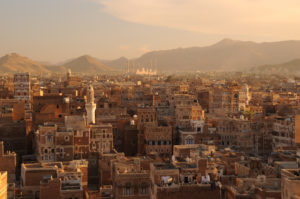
164	166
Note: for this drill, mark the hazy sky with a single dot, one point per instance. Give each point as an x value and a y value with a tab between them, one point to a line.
55	30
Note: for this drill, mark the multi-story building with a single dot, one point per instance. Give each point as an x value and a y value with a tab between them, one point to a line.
129	180
225	99
236	132
186	113
158	139
50	108
56	178
130	139
146	115
8	162
260	187
50	188
199	133
101	138
283	131
54	143
14	135
168	182
22	88
204	97
81	135
107	111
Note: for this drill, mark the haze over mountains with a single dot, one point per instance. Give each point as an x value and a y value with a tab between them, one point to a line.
226	55
292	67
87	63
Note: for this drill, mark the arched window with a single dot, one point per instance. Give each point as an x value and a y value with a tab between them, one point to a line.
189	140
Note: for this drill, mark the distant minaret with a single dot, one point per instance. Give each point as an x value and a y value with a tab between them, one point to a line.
69	74
90	106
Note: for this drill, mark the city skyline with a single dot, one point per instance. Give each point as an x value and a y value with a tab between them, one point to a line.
149	99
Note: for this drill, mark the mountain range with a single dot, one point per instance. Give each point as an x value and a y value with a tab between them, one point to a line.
291	67
12	63
226	55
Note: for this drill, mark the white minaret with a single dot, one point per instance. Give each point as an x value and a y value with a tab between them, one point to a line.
246	93
69	74
90	106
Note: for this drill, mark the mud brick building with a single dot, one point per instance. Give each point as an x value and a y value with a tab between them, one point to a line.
158	139
129	180
54	143
14	135
22	89
49	108
8	163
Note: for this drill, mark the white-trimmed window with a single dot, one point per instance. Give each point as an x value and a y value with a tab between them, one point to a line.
189	140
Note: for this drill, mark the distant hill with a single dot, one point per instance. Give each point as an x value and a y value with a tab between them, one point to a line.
120	63
12	63
225	55
291	67
87	64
